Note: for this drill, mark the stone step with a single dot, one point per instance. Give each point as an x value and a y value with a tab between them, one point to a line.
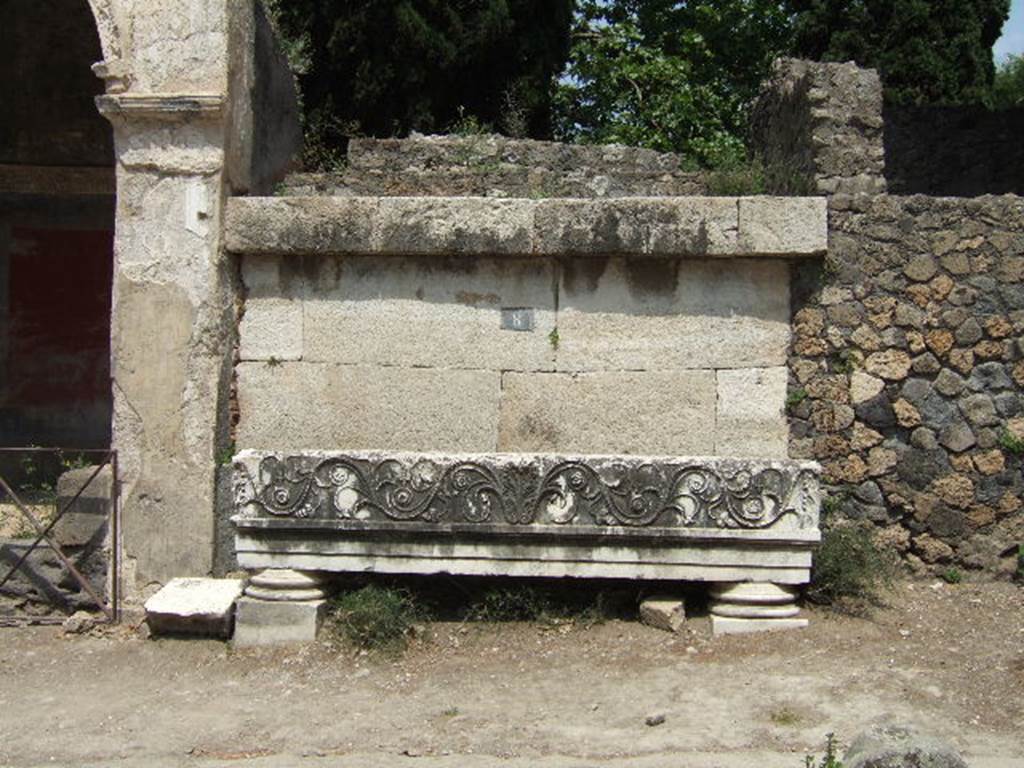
780	227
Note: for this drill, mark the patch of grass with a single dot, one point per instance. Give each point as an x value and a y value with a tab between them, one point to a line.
828	760
952	575
226	454
376	618
554	338
451	712
737	179
844	361
273	362
784	716
849	569
525	602
1010	443
794	398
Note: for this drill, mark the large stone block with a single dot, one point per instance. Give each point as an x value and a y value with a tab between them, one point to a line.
264	622
271	326
691	226
195	607
279	225
443	313
445	225
794	226
751	419
312	405
609	412
87	501
525	514
672	314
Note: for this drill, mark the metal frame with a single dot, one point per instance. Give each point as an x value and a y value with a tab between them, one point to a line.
105	457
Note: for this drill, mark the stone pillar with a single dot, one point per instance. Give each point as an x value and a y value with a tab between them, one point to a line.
186	95
281	606
740	607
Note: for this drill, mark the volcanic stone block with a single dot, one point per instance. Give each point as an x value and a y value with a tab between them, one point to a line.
444	313
750	419
303	405
267	622
643	226
443	225
663	612
609	412
672	314
194	607
89	513
783	225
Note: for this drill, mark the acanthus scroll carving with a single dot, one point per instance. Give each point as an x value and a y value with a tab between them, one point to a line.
571	492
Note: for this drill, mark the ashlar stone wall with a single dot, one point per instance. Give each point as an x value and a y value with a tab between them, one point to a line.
618	356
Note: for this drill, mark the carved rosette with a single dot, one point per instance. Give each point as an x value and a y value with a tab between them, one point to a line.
539	490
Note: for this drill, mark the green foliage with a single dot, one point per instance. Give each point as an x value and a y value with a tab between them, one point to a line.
1008	88
849	568
671	76
1010	443
375	617
927	51
388	67
952	575
737	178
828	760
226	454
554	338
526	602
794	398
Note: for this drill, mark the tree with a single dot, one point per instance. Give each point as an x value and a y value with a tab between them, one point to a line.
927	51
667	75
1008	88
388	67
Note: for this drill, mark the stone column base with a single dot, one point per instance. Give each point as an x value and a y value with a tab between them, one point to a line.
753	607
280	607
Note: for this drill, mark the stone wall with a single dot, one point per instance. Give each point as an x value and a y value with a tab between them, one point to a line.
496	166
818	128
907	373
958	151
673	357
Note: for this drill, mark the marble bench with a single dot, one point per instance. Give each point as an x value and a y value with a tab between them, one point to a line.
748	526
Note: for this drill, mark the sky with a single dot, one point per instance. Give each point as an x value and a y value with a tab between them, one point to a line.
1012	41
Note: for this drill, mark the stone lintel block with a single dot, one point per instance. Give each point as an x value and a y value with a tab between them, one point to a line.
310	405
634	226
686	226
751	418
783	226
194	606
652	412
428	226
290	225
643	314
271	622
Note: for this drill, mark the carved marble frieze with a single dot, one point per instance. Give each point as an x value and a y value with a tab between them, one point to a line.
584	493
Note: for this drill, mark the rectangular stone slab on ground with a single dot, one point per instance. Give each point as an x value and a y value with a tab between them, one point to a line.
679	518
194	606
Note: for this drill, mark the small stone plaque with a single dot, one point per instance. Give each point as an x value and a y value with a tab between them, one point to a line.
517	319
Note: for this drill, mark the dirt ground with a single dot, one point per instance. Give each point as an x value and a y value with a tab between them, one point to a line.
948	657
